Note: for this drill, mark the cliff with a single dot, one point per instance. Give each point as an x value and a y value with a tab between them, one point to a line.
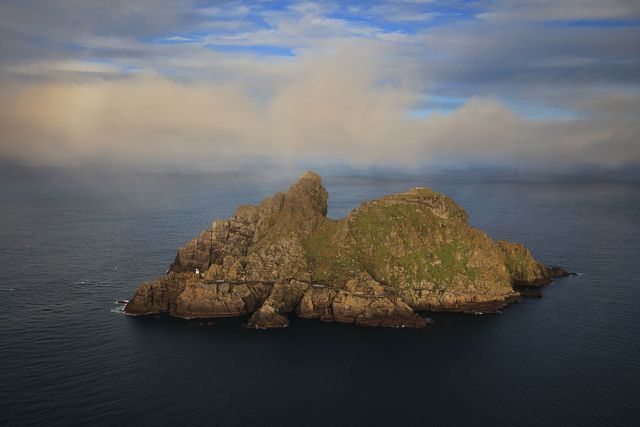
387	260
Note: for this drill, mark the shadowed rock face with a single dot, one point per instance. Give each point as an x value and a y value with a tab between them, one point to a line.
388	259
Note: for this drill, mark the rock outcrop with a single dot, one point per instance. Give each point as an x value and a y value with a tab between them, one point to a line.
388	260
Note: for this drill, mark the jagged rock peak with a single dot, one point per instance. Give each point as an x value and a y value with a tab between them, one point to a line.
310	175
308	192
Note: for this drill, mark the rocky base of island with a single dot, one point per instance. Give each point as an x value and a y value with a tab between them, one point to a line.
387	261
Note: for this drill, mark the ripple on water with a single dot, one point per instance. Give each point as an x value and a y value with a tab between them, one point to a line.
65	358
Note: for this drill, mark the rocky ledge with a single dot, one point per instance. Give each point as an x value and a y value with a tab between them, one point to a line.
388	260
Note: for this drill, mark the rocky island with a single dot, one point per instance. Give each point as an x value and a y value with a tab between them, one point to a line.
381	265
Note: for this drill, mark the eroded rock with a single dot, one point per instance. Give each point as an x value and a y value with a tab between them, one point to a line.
389	259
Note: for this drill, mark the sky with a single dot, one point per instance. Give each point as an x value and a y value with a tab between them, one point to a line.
540	85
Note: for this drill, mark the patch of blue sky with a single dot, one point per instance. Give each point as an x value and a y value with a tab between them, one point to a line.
604	23
438	105
220	18
265	50
102	64
130	69
542	112
445	105
177	39
201	35
275	5
257	21
408	17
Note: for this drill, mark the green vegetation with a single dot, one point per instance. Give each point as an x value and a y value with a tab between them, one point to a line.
395	242
519	266
332	263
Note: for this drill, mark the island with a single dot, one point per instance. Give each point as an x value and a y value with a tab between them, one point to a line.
385	263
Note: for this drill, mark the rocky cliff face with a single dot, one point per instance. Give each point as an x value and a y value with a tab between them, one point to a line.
387	260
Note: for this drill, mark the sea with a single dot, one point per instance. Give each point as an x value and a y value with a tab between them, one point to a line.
73	243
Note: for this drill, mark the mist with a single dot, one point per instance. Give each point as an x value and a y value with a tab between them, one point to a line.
204	90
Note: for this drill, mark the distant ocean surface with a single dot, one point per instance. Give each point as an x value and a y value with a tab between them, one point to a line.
72	244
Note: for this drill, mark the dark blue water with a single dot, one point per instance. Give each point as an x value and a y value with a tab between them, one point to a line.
71	244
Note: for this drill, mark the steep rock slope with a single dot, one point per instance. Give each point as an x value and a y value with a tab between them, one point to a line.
388	259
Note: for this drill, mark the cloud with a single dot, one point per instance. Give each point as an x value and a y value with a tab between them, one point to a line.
565	10
147	83
331	110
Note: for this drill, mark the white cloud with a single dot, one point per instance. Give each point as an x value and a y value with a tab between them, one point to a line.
330	109
345	95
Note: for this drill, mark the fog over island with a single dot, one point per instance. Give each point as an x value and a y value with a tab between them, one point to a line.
192	85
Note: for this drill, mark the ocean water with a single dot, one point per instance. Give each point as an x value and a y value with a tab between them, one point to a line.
71	244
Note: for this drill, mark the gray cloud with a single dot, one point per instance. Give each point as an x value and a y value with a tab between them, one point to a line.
141	83
554	10
325	113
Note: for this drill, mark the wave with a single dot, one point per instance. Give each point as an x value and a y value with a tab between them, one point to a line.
88	282
120	305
